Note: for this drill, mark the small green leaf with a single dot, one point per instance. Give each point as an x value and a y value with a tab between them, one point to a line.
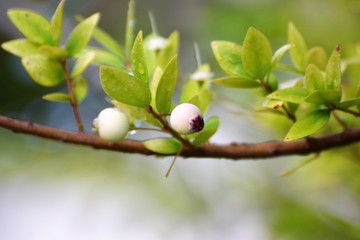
103	57
166	87
210	128
279	54
299	50
57	97
124	88
228	56
256	54
137	114
333	70
44	71
52	52
294	95
32	25
80	36
138	60
80	88
349	102
314	78
163	145
170	50
130	27
20	47
324	97
202	99
308	125
190	89
236	82
56	23
316	56
82	63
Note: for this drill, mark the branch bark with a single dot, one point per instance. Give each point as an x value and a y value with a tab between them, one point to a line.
235	151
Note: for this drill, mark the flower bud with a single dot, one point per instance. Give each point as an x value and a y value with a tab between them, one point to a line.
112	125
186	118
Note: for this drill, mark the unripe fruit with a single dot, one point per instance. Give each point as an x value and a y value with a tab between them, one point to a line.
186	118
112	124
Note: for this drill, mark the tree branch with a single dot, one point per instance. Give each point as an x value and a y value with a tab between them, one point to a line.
234	151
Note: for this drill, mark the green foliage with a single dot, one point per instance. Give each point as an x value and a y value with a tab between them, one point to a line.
125	88
166	86
308	125
80	36
44	71
140	76
32	25
163	145
256	54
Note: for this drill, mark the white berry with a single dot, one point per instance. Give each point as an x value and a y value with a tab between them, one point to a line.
112	124
186	118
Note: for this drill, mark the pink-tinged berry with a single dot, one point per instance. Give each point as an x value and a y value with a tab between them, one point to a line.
186	118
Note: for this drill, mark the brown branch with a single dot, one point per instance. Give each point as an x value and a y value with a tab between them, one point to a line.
73	101
231	151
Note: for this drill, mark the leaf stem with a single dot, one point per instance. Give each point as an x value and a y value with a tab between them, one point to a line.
339	120
73	100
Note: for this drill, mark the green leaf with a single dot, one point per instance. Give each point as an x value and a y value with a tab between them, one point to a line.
103	57
314	78
80	88
130	27
163	145
57	97
56	23
228	56
105	40
333	70
32	25
308	125
138	60
210	128
166	87
44	71
236	82
324	97
170	50
52	52
349	102
299	50
80	36
20	47
256	54
202	99
294	95
82	63
190	89
279	54
137	114
316	56
124	88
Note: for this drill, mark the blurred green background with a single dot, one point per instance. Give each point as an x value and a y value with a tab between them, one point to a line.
56	191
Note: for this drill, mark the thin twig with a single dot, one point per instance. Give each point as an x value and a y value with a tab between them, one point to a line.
73	100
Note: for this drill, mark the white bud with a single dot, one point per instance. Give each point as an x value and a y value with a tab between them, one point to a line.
112	124
186	118
157	43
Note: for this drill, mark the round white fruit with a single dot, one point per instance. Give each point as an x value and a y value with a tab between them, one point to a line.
186	118
112	124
